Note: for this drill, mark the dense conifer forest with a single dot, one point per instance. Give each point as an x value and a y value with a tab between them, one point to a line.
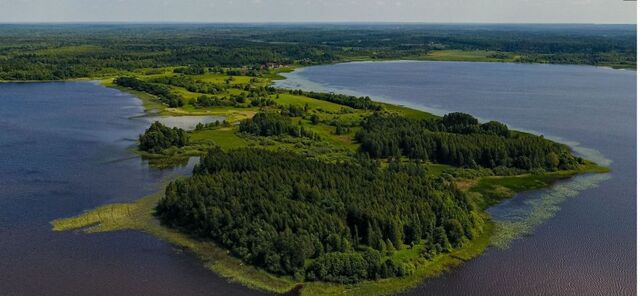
343	221
279	210
459	139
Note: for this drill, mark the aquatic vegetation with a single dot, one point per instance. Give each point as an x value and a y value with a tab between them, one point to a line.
515	220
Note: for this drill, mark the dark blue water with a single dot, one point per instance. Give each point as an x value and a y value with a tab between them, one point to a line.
589	246
64	148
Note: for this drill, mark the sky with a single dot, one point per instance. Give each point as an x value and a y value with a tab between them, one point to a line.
216	11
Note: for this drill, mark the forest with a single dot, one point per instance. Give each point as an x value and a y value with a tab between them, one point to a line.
278	210
57	52
459	139
344	221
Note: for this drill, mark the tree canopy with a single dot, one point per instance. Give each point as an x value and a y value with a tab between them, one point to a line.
158	137
458	139
276	210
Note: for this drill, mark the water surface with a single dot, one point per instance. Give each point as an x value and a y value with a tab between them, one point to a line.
64	148
587	247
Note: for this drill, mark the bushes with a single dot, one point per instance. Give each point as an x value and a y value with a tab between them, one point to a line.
211	101
262	102
159	137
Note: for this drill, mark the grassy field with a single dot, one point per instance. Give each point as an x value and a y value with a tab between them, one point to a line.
226	138
469	56
289	99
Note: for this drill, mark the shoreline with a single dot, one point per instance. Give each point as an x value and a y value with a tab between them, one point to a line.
139	216
576	147
356	60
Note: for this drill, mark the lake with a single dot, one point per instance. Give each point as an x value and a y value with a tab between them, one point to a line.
585	242
65	148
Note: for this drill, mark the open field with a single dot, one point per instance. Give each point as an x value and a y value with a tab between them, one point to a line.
469	56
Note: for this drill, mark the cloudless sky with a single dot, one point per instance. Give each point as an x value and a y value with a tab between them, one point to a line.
493	11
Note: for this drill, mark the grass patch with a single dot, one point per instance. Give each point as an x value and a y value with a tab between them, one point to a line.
226	138
221	78
436	169
469	56
290	99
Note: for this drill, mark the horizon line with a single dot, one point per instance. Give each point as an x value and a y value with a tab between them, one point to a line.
299	23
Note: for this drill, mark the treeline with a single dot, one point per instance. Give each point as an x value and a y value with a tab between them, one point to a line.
190	70
48	52
190	84
159	137
213	101
273	124
352	101
458	139
161	91
277	210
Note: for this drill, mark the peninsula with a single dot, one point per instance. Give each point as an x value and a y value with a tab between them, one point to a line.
321	193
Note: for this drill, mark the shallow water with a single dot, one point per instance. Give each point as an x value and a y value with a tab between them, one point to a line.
63	150
581	236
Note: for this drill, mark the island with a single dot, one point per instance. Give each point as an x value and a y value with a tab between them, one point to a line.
321	193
